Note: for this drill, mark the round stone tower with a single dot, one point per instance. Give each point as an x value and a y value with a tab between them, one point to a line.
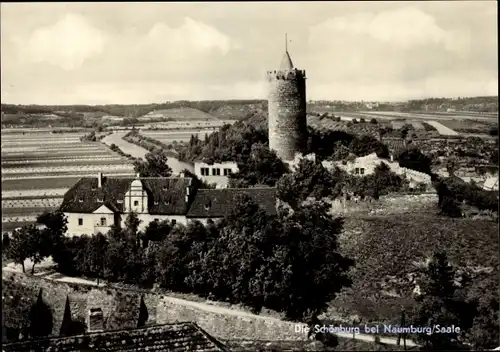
287	110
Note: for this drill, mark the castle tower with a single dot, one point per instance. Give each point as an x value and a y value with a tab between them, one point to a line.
287	109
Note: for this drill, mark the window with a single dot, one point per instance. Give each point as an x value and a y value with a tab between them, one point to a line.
205	171
80	200
174	221
80	222
356	171
362	171
119	201
156	220
227	172
156	202
99	200
215	171
103	221
136	203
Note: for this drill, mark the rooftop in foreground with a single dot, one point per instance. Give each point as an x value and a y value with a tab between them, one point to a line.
181	337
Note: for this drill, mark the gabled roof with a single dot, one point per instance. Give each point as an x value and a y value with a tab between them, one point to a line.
180	337
165	195
214	203
286	62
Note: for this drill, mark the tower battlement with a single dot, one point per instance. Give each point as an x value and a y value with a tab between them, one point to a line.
288	74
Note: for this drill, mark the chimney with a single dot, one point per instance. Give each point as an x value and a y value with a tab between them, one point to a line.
138	176
99	180
181	174
95	320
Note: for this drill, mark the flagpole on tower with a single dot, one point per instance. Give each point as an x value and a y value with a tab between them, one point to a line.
286	43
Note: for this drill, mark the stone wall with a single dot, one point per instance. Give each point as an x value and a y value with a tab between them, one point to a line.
121	309
287	112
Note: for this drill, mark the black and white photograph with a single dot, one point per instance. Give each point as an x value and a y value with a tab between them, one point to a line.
250	176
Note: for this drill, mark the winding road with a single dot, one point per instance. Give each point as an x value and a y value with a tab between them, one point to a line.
139	152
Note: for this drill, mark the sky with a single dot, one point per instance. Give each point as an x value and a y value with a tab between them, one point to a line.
139	53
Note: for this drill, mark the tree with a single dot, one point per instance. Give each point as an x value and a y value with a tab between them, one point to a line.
451	165
56	225
404	132
307	254
415	160
438	304
447	201
374	121
310	179
96	249
156	231
27	243
18	249
365	145
132	223
5	242
36	246
123	259
340	151
484	333
262	167
155	165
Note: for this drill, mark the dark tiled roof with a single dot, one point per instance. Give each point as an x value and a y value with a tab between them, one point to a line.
172	337
213	203
286	62
165	195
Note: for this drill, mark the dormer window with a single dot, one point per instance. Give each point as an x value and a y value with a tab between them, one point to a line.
165	188
80	200
167	202
100	200
93	188
156	202
208	205
119	201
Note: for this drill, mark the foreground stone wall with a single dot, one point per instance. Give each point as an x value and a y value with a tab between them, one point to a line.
121	310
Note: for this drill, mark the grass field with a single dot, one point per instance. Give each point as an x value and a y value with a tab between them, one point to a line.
38	166
180	114
468	126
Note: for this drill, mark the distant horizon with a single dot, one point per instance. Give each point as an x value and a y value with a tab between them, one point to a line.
265	99
118	53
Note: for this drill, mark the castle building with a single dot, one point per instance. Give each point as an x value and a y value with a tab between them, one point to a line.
287	110
95	204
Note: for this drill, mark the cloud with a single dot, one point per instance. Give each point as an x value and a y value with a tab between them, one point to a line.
67	43
191	37
404	27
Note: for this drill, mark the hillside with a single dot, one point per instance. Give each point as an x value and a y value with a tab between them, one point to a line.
386	249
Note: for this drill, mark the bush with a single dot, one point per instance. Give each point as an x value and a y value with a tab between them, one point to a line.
373	121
